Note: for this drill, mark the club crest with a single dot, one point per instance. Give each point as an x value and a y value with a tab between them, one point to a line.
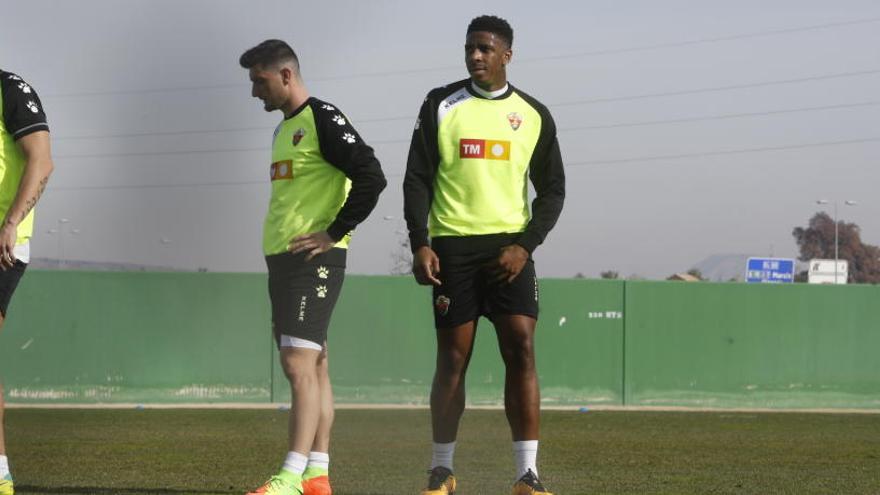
442	305
515	120
298	135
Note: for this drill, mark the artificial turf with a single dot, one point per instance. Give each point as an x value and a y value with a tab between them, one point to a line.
387	452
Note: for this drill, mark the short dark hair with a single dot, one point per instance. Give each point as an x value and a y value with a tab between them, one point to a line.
269	53
494	25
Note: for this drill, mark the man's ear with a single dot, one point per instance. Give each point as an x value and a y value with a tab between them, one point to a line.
286	75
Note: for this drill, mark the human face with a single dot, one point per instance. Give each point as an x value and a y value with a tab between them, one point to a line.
268	84
486	55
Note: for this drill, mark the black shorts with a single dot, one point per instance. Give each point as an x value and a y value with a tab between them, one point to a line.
468	291
303	293
8	282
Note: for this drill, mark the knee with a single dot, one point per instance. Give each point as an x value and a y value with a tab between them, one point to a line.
452	362
323	366
300	380
519	354
299	374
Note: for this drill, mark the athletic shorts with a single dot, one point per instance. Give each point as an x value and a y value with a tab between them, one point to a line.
303	293
468	291
8	282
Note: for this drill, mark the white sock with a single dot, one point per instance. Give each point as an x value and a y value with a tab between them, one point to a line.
525	455
295	462
320	460
4	466
442	455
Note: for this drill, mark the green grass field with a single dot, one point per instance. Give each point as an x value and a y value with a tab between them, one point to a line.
387	452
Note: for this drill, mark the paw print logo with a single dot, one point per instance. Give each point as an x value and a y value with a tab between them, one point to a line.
322	291
33	106
339	119
349	138
323	272
13	77
328	107
24	88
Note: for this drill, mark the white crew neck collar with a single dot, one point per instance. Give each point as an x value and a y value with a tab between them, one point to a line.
491	95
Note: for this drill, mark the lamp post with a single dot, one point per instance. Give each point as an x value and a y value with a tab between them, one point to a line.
836	244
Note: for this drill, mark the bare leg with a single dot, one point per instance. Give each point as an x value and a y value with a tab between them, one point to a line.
454	348
2	438
2	406
300	366
522	398
325	420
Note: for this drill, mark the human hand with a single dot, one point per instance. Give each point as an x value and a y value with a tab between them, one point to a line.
8	236
509	264
315	243
426	266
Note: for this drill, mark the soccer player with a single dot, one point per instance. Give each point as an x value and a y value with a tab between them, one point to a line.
325	181
475	143
25	166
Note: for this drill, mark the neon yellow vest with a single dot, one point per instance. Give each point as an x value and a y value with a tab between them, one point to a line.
12	164
485	148
307	191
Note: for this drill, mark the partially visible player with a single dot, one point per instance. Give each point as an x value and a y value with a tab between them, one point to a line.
476	144
325	181
25	166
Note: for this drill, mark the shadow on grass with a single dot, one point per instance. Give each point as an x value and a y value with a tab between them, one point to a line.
82	490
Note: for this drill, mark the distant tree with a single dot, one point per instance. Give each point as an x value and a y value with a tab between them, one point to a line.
695	272
610	274
579	275
817	241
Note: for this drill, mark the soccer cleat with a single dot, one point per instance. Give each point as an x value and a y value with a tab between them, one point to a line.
279	485
440	482
316	482
6	487
318	485
529	484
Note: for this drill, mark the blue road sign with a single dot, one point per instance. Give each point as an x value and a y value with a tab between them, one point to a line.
770	270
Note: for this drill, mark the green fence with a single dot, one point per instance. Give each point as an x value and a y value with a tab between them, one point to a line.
80	337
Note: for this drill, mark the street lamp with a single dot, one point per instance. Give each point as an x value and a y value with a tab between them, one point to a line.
836	247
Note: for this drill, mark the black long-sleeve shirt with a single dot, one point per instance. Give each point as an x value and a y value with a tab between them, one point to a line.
467	165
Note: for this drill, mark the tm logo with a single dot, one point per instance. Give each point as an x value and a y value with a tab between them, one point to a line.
484	148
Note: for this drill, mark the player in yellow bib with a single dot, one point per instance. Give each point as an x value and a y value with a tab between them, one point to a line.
325	181
25	166
476	144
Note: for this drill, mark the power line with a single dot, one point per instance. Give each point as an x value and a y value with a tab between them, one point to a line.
689	119
721	116
165	153
717	39
719	88
404	72
724	152
821	77
562	129
572	164
162	133
160	186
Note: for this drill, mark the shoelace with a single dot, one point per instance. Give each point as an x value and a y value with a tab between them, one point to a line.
437	478
275	482
532	480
